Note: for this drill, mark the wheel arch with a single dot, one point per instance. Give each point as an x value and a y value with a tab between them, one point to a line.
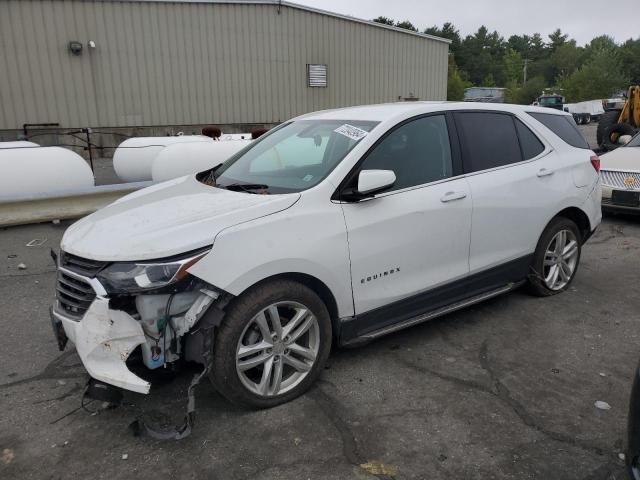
318	287
579	217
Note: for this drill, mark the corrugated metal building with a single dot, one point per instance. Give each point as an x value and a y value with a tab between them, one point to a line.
154	62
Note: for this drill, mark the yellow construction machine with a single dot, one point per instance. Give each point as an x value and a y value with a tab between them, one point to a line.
615	123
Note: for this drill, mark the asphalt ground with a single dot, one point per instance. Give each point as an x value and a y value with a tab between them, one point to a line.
503	390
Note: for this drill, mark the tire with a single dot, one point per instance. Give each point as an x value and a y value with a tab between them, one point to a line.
247	326
587	119
607	119
541	280
619	129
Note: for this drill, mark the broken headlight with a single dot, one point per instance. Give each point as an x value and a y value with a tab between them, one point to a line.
128	277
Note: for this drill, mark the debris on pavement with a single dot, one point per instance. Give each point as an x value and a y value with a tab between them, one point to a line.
622	456
36	242
7	456
22	266
602	405
125	456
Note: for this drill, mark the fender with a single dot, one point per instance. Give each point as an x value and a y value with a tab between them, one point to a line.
309	238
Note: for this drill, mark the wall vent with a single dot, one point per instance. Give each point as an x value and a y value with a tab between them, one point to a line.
316	75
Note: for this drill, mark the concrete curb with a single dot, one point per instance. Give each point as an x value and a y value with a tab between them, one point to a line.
44	207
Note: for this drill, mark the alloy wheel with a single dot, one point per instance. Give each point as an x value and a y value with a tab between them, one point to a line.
277	348
560	259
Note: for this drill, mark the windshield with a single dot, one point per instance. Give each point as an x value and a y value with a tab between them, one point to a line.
291	158
550	100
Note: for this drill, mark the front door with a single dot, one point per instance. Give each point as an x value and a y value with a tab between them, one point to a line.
415	236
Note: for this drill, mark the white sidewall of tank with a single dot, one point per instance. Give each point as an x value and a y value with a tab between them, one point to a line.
18	144
42	170
133	159
186	158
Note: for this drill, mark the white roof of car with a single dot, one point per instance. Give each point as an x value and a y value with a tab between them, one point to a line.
386	111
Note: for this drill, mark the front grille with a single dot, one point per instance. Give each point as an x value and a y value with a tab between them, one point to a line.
615	179
74	295
82	266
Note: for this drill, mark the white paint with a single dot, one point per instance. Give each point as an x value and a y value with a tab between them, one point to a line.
104	340
592	107
169	219
372	180
181	159
18	144
133	159
41	171
429	234
235	136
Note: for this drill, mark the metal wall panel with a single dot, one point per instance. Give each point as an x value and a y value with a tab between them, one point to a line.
181	63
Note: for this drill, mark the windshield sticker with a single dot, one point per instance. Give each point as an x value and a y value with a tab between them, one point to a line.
307	178
349	131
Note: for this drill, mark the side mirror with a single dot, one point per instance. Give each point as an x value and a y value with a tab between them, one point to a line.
370	182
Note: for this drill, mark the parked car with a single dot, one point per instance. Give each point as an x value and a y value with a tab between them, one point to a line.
621	177
336	227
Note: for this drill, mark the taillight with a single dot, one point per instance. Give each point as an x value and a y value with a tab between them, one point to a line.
595	161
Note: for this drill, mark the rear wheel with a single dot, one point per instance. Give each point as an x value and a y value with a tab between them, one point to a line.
272	345
607	119
555	261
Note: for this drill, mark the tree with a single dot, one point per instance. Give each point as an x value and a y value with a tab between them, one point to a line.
630	60
455	83
513	65
526	94
407	25
600	77
557	39
448	31
384	20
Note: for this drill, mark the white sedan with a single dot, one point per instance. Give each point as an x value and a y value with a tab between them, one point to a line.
620	174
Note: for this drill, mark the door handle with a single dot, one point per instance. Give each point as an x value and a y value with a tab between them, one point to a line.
544	172
451	196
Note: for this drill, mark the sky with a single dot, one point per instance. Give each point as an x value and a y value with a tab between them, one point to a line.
581	19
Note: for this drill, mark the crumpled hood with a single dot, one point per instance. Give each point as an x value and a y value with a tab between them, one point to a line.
166	219
623	158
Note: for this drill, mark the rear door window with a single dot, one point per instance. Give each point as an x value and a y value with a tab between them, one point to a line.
563	126
489	140
529	143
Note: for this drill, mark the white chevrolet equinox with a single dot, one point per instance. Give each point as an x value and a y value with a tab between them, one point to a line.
336	227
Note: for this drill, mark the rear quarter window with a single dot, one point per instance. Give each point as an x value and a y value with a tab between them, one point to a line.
563	126
530	144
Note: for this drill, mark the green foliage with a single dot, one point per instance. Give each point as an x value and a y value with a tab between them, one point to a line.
384	20
455	83
407	25
600	77
513	66
486	59
526	94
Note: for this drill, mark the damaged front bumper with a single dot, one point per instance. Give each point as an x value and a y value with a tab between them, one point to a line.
104	339
105	336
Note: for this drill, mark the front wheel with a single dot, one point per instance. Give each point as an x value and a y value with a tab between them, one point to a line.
555	261
272	344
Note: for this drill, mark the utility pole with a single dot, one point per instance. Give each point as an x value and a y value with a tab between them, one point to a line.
526	62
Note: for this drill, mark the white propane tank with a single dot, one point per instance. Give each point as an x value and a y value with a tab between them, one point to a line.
18	144
185	158
40	170
133	159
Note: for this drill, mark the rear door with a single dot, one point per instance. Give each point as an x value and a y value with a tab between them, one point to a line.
515	184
